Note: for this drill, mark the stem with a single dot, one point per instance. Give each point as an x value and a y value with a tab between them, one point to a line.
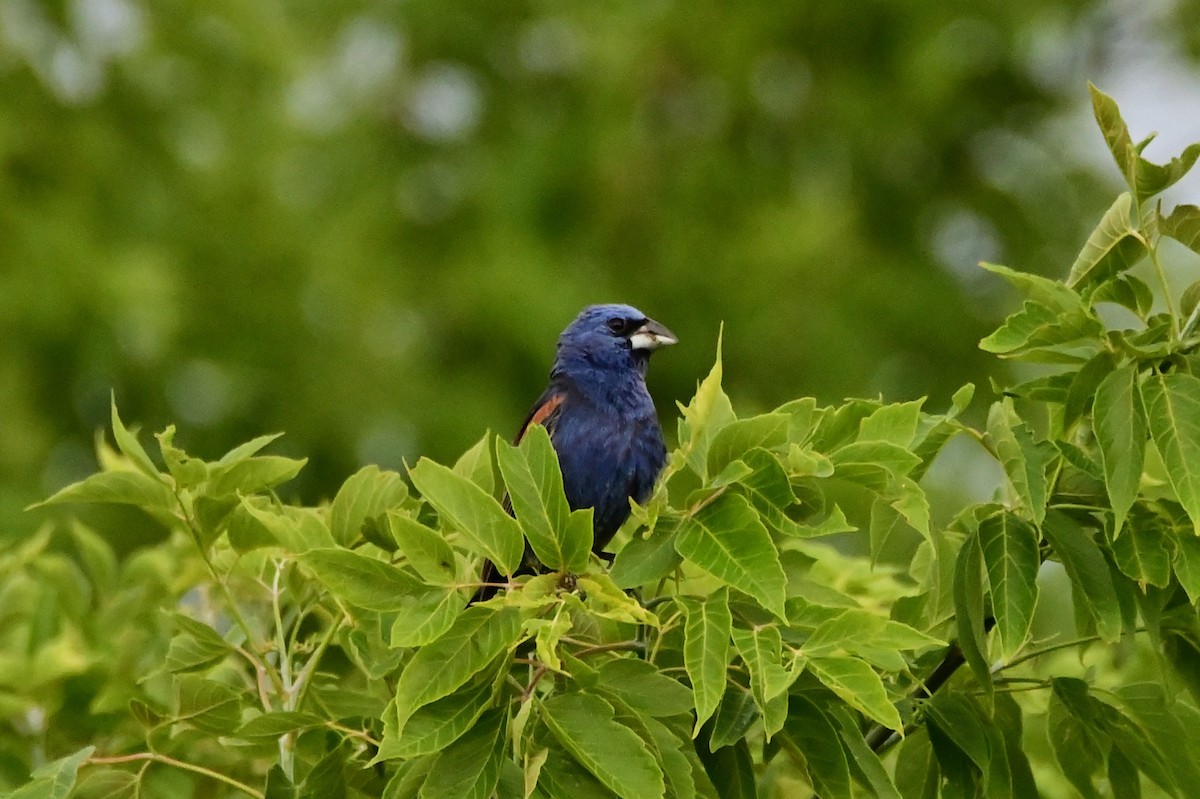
1166	287
287	741
170	761
234	610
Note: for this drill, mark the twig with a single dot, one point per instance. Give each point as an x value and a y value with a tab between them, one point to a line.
170	761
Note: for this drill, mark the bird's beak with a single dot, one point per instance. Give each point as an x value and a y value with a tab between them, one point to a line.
651	336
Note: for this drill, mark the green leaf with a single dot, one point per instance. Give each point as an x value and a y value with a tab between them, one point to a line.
1025	461
1141	552
731	770
128	444
121	488
424	548
54	780
893	424
561	777
815	736
470	767
704	417
424	616
360	580
612	752
727	540
643	688
734	716
297	530
1120	428
208	705
1128	291
1145	178
762	653
1010	554
436	725
647	559
478	516
732	441
96	555
476	464
368	493
1173	414
479	635
858	685
1036	329
1091	581
1041	290
867	761
706	635
252	474
562	540
270	726
1183	225
1113	246
196	647
968	612
854	629
1187	565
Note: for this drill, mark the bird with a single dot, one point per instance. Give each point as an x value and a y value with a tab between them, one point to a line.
601	420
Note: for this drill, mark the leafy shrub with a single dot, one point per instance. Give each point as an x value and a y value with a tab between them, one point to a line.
734	646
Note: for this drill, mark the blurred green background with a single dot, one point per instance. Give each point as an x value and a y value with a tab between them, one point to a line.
365	223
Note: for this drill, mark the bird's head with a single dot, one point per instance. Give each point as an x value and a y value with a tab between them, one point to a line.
612	336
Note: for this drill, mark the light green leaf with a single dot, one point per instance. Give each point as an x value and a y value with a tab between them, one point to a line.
612	752
813	733
762	653
1183	225
128	444
1025	461
251	475
858	685
360	580
476	464
1010	554
895	424
1173	414
562	540
469	768
121	488
435	726
207	704
270	726
425	549
706	650
734	440
1036	328
368	493
1091	579
643	688
704	417
834	523
56	779
1113	246
476	514
196	647
479	635
188	472
1041	290
1141	552
1120	427
855	628
423	616
727	540
647	559
297	530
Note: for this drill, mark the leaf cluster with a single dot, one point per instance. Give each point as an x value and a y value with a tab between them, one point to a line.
774	618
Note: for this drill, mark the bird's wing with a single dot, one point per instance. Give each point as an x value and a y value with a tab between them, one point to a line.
544	412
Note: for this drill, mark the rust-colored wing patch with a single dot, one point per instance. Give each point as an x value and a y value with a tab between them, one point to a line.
543	414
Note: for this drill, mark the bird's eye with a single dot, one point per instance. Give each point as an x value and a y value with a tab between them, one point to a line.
617	325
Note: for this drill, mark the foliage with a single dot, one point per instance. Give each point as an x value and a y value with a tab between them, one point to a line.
329	218
733	649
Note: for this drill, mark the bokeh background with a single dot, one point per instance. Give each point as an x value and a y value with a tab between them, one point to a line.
364	223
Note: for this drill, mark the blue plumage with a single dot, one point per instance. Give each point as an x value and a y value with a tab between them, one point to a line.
600	417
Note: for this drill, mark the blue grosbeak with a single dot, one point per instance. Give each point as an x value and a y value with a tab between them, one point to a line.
601	419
